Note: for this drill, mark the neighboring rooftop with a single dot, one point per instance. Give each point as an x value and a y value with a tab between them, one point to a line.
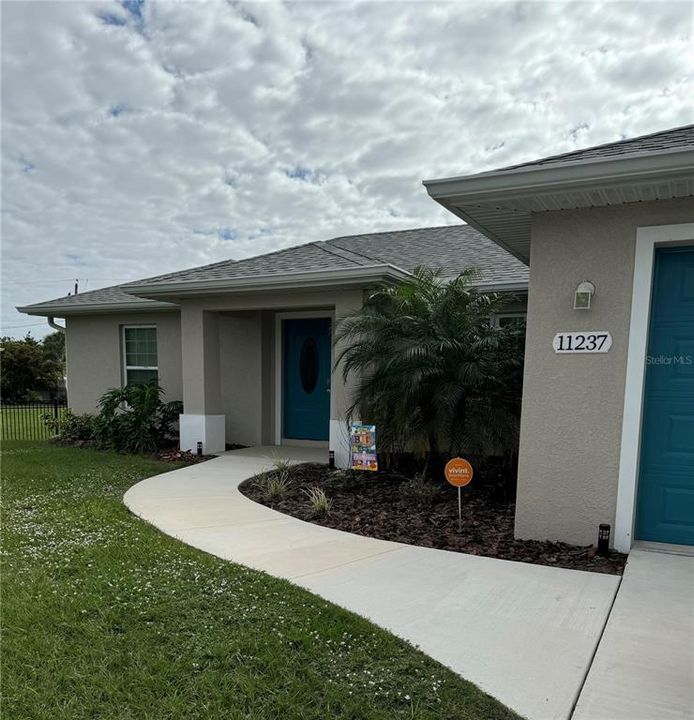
449	248
500	203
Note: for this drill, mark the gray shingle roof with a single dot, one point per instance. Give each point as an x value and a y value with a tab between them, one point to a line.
680	138
293	259
450	248
107	296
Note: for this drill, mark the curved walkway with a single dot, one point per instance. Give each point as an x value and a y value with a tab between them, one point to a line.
524	633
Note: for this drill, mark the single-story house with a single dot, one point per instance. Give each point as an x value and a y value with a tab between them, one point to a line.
247	344
607	426
607	423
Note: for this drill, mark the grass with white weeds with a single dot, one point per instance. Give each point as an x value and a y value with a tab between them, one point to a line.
105	617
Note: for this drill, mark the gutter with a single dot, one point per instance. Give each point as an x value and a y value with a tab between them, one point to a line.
512	287
526	180
302	280
52	311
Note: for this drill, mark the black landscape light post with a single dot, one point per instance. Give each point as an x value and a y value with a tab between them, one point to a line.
604	539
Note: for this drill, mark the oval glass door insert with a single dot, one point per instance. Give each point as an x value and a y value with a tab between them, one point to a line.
308	365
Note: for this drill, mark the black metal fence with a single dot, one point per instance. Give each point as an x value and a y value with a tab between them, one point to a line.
27	421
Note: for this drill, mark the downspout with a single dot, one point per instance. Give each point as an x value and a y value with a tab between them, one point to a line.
54	325
51	321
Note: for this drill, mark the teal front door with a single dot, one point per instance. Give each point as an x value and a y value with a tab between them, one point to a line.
306	379
665	508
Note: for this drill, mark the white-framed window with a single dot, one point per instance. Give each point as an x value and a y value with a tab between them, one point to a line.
511	319
140	361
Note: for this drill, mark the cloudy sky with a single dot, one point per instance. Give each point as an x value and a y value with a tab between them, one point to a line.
145	137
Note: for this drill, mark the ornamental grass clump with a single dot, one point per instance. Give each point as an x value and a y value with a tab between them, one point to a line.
419	490
320	503
273	486
282	467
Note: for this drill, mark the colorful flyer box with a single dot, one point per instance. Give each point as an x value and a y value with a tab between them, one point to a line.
363	447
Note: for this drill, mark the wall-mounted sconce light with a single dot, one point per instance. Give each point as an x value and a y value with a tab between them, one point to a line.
584	295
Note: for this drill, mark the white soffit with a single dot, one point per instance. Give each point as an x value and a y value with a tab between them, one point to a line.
500	204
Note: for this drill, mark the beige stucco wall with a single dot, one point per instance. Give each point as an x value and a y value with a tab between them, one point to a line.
94	355
240	362
572	404
245	376
228	358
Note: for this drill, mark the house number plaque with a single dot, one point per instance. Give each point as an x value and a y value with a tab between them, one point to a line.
583	341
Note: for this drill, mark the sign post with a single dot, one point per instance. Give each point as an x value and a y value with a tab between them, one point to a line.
458	472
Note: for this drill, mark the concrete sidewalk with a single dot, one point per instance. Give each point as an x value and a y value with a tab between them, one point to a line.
524	633
644	666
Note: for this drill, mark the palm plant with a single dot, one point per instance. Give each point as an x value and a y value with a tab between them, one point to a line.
436	375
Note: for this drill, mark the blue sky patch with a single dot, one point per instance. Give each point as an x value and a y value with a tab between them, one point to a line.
110	19
226	234
134	7
301	173
75	259
25	165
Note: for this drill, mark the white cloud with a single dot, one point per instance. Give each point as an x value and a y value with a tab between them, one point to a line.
187	132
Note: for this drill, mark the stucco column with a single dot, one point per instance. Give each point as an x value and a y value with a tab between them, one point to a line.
341	391
202	419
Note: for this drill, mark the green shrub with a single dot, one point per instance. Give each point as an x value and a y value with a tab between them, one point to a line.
71	429
135	419
320	502
436	377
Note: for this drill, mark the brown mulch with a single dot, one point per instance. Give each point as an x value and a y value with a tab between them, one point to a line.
185	456
376	505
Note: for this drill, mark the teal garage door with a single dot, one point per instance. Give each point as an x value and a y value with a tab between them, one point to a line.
665	509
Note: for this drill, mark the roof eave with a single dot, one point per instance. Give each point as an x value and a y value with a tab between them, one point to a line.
360	275
507	199
95	308
502	287
459	212
570	174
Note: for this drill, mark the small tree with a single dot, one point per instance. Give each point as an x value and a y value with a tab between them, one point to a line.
25	368
436	375
54	347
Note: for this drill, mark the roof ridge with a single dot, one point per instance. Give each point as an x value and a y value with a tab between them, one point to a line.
333	243
175	272
344	255
397	232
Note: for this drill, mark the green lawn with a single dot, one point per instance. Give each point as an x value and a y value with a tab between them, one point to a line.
105	617
25	422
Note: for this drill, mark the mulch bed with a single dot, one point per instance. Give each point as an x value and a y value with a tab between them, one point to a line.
376	505
185	456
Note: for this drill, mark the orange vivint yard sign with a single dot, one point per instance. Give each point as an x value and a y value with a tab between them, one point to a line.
458	472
